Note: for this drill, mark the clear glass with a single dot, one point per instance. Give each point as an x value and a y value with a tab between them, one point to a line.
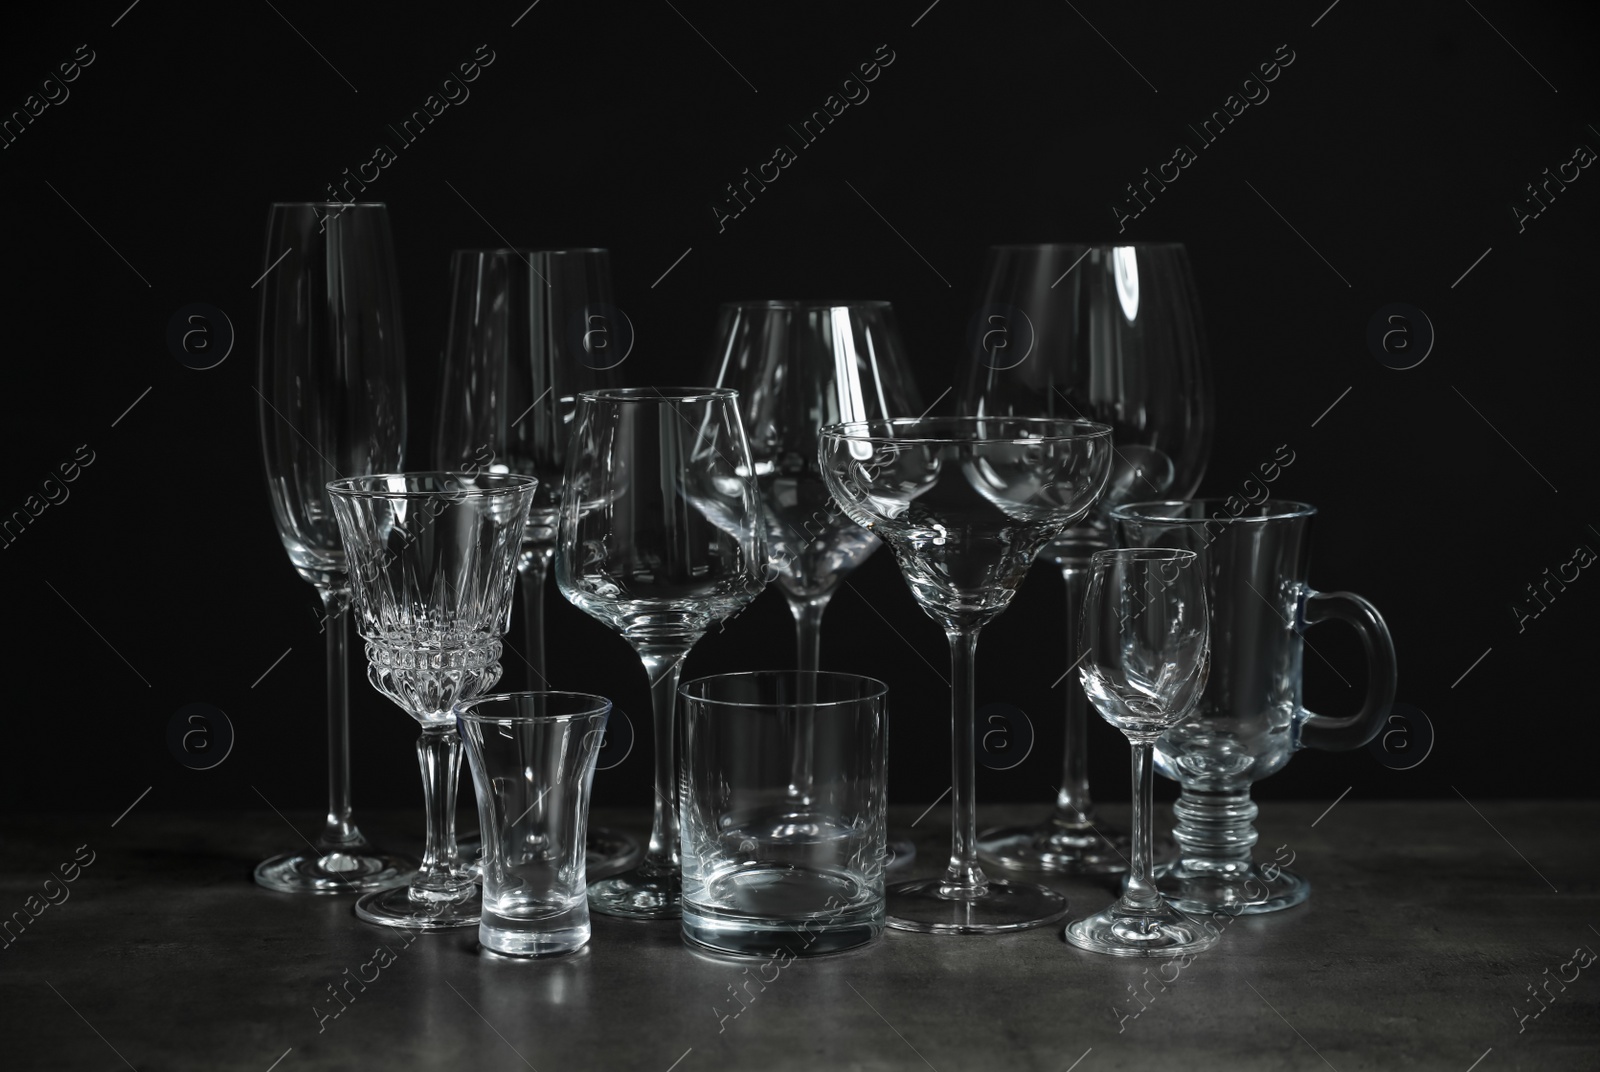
660	536
1147	640
432	567
756	882
1254	557
1109	333
800	365
331	393
528	330
532	757
966	504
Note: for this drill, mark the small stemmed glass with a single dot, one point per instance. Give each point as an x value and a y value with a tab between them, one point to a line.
966	504
1147	629
432	568
660	537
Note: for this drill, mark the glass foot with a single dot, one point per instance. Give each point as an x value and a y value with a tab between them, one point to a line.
1058	848
607	852
899	853
1119	931
334	872
1240	893
399	908
646	892
927	906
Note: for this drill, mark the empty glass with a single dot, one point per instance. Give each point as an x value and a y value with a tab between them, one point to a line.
528	330
660	537
1254	558
1110	333
965	504
532	757
754	880
432	567
331	386
1147	640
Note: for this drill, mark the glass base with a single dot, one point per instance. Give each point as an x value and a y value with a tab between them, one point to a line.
1059	848
398	908
899	853
606	852
1240	893
1122	932
334	872
926	906
765	910
646	892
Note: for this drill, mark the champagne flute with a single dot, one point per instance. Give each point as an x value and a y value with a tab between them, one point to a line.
1109	333
332	392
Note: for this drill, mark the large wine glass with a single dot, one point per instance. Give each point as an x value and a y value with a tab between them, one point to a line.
433	570
966	504
331	389
1108	333
528	330
800	365
660	537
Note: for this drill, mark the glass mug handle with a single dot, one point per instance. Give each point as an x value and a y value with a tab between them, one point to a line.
1350	731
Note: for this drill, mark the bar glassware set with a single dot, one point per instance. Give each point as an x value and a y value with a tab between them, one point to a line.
665	510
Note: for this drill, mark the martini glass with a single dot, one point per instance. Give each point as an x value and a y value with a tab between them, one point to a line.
432	570
966	504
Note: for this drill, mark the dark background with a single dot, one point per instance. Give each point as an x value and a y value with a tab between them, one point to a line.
1395	144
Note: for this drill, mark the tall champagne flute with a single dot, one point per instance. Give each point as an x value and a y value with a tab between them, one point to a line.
332	403
1108	333
800	365
660	536
966	504
528	330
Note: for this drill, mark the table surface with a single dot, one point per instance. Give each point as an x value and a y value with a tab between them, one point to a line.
1427	925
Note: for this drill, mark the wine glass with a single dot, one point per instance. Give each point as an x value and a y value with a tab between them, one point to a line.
800	365
332	391
528	330
966	504
433	568
660	536
1147	631
1109	333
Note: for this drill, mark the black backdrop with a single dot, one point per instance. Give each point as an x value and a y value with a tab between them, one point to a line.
1384	164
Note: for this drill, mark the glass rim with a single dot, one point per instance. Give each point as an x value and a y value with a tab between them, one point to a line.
1082	429
659	395
878	690
809	303
520	251
1281	510
357	487
329	204
1143	554
466	710
1041	246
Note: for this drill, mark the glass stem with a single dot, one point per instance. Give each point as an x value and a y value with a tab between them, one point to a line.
1141	891
339	833
963	875
440	876
532	568
1073	806
808	630
664	665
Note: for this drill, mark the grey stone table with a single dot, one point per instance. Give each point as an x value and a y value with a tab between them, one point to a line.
1426	928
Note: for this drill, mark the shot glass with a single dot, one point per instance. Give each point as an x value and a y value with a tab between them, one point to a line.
771	865
532	756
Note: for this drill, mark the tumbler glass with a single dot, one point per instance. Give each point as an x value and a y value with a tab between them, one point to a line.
532	756
756	886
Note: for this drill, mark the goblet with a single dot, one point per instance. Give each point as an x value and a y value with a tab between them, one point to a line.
800	365
1147	634
528	330
660	537
332	389
433	565
1110	333
966	504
